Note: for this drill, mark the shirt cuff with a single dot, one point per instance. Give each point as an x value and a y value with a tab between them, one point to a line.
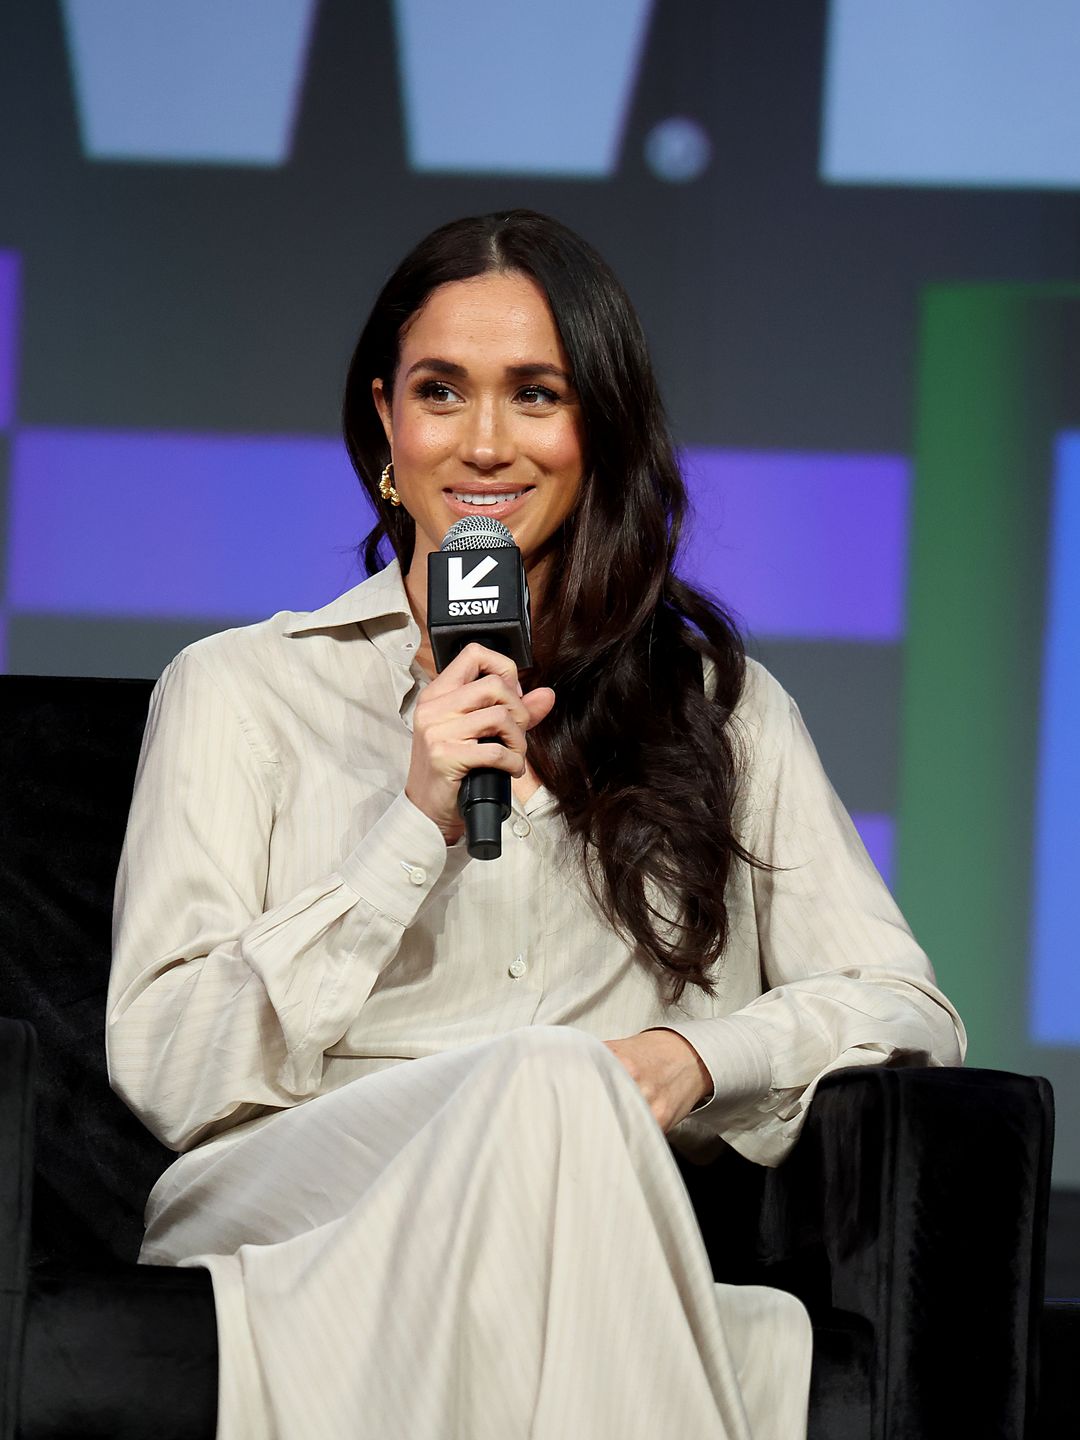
396	865
735	1057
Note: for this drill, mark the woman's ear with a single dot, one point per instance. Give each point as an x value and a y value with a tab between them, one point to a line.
382	405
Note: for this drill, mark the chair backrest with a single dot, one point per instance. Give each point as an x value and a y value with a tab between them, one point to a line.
68	749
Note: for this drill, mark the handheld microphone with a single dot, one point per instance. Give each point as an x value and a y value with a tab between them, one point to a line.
477	591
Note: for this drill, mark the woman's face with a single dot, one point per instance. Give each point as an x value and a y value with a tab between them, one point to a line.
484	419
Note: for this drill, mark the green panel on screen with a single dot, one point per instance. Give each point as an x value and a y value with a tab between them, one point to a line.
994	389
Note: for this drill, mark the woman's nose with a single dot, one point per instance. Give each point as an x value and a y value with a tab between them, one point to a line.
487	441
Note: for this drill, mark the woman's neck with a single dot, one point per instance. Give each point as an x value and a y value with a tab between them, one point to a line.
416	591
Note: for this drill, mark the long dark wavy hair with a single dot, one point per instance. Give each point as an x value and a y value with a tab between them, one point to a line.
642	762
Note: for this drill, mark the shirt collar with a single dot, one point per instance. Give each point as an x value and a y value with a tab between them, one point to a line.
381	610
382	607
381	596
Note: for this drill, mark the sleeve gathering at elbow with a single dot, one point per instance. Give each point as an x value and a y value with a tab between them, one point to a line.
220	1008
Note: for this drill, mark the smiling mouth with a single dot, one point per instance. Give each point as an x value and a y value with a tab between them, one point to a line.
480	498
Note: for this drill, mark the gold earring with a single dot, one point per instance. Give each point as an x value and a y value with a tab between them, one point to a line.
386	485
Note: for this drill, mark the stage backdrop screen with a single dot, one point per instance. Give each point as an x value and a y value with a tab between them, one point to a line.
850	229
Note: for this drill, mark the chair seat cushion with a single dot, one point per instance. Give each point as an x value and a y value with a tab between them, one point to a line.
124	1352
841	1378
1059	1392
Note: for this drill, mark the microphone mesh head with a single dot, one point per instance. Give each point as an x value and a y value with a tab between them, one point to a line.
477	532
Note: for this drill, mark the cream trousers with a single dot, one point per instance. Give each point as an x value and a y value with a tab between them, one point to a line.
489	1243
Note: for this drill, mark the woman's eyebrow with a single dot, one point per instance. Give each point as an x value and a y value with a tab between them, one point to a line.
440	367
532	372
452	370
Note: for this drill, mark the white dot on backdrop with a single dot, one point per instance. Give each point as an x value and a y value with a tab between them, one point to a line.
678	149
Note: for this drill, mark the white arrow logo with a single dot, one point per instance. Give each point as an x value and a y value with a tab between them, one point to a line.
467	587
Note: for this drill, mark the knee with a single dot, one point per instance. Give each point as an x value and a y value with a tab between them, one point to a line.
559	1047
557	1066
560	1101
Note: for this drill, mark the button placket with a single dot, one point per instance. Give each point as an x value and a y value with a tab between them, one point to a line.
520	860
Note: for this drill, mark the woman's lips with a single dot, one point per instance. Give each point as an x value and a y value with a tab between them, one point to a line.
510	502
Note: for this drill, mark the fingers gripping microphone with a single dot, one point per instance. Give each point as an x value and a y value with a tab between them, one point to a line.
477	592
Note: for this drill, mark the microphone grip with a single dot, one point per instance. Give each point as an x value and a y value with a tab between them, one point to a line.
484	803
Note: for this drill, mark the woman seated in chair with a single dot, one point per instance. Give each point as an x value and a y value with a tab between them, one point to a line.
424	1102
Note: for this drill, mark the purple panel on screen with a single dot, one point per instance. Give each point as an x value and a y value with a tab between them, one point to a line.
878	834
807	546
168	525
9	336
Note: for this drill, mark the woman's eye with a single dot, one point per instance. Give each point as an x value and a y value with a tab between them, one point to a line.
435	390
538	395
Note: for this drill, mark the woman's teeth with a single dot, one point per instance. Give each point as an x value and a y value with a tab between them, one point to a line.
482	499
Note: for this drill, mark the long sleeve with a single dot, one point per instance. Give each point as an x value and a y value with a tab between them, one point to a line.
220	1008
844	981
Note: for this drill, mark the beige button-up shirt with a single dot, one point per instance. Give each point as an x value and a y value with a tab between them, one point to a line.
286	920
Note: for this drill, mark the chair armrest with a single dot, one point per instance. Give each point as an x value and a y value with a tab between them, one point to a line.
916	1201
18	1054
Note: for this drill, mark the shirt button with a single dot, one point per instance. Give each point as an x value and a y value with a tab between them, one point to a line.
418	875
517	967
521	827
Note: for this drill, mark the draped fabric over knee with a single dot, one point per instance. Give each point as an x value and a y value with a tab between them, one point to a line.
505	1249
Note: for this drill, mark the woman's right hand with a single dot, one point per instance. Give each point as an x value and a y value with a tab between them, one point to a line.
478	694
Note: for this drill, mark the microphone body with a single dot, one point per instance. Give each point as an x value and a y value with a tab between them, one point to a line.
477	592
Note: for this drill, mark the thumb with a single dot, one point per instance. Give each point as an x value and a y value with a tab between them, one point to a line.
538	703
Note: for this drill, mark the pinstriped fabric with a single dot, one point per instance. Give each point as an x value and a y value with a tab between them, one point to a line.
289	930
505	1249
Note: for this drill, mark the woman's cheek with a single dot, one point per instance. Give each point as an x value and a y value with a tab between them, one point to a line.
420	437
562	449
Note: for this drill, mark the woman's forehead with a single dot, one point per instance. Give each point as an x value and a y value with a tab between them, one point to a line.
502	316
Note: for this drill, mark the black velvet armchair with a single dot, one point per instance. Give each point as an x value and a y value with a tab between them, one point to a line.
910	1218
